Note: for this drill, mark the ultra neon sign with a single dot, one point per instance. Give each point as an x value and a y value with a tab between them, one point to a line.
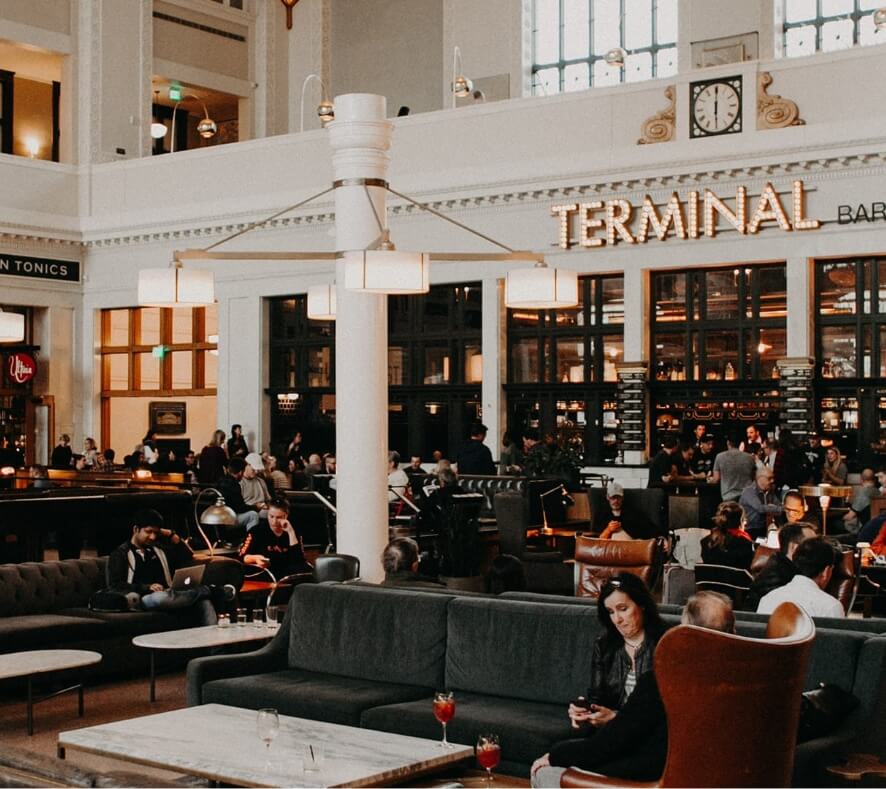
607	222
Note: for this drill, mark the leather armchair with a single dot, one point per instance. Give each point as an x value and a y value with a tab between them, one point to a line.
844	582
545	569
731	581
599	560
761	700
336	567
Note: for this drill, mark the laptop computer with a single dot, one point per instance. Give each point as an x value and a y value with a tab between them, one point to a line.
188	577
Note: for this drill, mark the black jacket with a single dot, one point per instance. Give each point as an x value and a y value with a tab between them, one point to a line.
475	458
633	745
147	570
232	494
778	571
610	665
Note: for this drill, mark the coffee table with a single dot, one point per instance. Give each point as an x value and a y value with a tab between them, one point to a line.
45	661
201	638
221	743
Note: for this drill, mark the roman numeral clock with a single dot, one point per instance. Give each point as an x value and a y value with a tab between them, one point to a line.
715	107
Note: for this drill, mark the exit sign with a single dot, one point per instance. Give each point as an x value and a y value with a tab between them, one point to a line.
159	351
175	93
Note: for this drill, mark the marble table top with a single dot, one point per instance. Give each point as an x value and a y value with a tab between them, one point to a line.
208	636
41	661
221	743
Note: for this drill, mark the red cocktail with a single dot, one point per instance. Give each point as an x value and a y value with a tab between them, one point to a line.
488	753
444	711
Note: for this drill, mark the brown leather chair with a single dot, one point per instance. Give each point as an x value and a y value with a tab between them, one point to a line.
844	581
598	560
740	732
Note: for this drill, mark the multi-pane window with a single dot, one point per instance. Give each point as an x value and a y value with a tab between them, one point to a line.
826	25
159	350
851	321
572	37
562	368
719	324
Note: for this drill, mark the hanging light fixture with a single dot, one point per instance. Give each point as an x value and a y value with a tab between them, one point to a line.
541	287
175	286
880	18
387	271
461	85
206	128
321	302
12	326
158	130
615	57
325	109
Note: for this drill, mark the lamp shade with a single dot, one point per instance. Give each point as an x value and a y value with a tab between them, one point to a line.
12	326
218	514
175	287
321	303
387	271
541	288
158	130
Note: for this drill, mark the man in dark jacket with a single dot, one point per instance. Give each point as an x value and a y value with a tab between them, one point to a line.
634	744
780	569
143	570
475	457
229	487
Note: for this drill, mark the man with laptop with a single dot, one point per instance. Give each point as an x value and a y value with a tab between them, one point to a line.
159	576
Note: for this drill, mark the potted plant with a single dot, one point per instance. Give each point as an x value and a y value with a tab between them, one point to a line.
553	459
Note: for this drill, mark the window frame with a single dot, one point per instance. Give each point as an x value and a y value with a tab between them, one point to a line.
818	21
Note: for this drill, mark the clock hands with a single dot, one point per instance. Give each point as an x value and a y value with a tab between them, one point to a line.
716	102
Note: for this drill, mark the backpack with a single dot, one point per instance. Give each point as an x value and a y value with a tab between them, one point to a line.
112	601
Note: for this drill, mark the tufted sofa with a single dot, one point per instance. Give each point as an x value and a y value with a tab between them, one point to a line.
44	605
488	485
373	657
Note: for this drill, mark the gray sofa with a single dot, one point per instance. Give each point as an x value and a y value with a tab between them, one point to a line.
373	656
44	605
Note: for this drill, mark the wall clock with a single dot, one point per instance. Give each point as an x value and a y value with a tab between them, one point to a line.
715	107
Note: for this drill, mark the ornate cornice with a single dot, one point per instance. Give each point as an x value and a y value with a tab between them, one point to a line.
817	169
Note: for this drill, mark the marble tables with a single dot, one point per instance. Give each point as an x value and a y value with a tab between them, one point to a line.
221	743
202	638
46	661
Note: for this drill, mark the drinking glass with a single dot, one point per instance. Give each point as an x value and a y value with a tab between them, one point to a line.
444	711
268	725
241	616
258	617
271	616
313	755
488	754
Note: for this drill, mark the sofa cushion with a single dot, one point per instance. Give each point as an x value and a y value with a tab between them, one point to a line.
135	623
43	587
520	650
307	694
41	631
380	634
527	729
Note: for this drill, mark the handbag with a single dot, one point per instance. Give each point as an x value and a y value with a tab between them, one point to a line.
111	601
823	710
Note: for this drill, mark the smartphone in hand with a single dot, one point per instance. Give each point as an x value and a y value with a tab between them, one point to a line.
582	702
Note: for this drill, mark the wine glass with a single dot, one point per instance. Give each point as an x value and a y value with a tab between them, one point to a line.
268	725
488	754
444	711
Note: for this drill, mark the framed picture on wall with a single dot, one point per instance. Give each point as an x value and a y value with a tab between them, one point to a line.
167	418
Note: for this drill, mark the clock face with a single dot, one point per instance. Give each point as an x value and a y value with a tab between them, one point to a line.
715	107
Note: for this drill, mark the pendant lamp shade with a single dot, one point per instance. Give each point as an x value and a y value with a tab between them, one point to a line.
175	287
321	302
387	271
158	130
12	326
541	288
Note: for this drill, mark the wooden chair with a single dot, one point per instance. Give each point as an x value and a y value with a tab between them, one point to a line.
598	560
739	732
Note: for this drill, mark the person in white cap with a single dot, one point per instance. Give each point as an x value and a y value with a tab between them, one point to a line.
612	522
253	487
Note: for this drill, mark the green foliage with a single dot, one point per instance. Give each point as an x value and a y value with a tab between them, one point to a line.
553	461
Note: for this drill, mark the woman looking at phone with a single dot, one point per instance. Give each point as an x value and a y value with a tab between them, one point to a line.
632	628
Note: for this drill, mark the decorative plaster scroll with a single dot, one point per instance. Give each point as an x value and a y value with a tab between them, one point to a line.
660	127
774	112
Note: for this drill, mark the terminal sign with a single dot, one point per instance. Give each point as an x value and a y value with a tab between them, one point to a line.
607	222
21	367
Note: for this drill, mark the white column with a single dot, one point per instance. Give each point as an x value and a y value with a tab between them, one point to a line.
800	308
493	363
360	138
635	315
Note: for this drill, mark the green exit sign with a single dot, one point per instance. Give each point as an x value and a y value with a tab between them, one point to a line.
175	93
159	351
